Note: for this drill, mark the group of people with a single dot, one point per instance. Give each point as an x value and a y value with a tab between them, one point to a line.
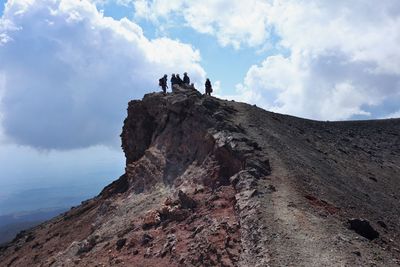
176	79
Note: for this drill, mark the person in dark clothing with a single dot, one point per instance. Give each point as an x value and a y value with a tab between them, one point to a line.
173	80
208	87
186	79
163	83
178	80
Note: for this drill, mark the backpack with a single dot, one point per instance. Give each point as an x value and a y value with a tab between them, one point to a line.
160	82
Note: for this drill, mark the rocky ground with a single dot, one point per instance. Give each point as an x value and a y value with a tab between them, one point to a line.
218	183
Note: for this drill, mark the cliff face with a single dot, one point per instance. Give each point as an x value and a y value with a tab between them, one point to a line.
218	183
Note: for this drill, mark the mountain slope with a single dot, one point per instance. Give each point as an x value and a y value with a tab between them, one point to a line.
218	183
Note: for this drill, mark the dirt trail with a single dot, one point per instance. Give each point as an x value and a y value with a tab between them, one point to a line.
291	232
295	235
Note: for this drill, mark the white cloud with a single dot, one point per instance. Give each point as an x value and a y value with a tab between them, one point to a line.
343	59
69	72
233	22
365	31
327	87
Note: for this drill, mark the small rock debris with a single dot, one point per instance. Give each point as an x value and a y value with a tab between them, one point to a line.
120	243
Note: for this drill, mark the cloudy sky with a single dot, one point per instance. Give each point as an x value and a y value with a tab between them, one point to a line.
69	67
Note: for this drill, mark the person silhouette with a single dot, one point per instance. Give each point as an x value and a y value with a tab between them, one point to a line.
178	80
163	83
186	79
208	87
173	80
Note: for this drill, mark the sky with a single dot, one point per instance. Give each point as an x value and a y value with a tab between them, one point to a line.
69	67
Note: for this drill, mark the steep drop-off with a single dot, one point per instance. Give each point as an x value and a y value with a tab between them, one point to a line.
218	183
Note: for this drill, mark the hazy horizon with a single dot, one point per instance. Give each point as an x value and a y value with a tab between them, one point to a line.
54	178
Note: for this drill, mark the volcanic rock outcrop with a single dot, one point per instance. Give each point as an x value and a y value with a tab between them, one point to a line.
218	183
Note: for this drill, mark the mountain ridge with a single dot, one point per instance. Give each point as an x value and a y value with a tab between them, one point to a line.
220	183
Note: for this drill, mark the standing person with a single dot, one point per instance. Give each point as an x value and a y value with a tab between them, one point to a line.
163	83
208	87
178	80
186	79
173	80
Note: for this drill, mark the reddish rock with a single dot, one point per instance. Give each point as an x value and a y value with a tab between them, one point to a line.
151	218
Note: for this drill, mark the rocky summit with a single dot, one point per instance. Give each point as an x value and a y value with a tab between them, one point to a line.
219	183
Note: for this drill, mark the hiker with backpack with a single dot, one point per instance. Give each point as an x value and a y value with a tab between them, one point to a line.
163	83
186	79
208	87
